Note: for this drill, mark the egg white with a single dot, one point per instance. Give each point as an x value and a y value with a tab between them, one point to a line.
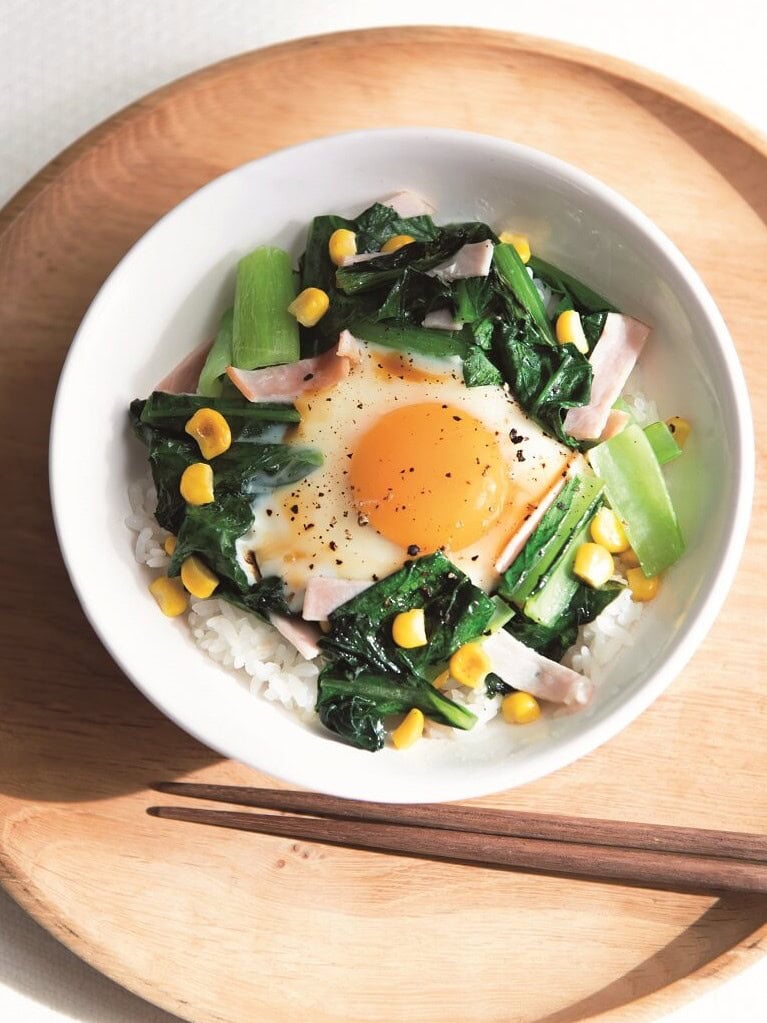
313	527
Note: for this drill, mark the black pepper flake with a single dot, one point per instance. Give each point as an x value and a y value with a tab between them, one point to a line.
269	511
333	545
520	455
308	525
339	561
413	549
476	556
309	376
374	577
294	509
457	419
448	475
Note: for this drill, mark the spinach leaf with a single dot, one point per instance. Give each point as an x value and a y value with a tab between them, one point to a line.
379	223
251	469
552	641
578	295
359	647
355	708
211	530
479	371
495	686
473	296
546	379
593	325
412	296
168	457
247	420
268	594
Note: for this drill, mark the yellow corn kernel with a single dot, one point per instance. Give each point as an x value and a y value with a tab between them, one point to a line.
170	596
629	559
342	243
607	529
310	306
570	330
520	708
441	680
408	629
169	545
470	665
399	241
520	242
211	431
409	730
680	428
197	483
198	578
593	564
642	587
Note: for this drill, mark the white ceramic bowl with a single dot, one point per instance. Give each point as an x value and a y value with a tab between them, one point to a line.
167	295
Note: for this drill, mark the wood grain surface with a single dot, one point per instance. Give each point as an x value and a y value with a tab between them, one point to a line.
223	926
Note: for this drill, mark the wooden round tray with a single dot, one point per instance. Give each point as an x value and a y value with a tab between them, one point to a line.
229	927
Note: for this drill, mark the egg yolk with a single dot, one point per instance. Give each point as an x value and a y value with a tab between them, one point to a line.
429	476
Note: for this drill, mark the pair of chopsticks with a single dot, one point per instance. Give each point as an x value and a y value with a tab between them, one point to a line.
651	856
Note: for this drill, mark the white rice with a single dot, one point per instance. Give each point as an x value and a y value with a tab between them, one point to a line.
232	637
270	666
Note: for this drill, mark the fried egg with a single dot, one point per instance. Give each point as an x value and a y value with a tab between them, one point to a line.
414	461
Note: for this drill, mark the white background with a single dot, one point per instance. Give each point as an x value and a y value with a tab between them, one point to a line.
67	64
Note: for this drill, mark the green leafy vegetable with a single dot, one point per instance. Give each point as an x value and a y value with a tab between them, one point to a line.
513	272
360	645
637	492
263	331
578	295
212	530
478	370
247	420
412	296
663	443
553	640
575	504
219	357
546	379
355	708
441	344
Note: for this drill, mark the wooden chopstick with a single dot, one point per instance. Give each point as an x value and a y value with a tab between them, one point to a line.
641	867
485	821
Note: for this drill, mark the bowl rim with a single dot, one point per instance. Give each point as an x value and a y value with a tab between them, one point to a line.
722	573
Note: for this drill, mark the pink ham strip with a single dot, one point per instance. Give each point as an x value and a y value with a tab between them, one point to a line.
324	595
441	319
523	668
530	524
284	383
408	204
302	635
472	260
183	378
612	360
616	421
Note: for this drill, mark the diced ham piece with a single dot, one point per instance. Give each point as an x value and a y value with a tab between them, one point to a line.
441	319
617	420
613	358
302	635
530	524
183	378
525	669
324	595
409	204
472	260
285	383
